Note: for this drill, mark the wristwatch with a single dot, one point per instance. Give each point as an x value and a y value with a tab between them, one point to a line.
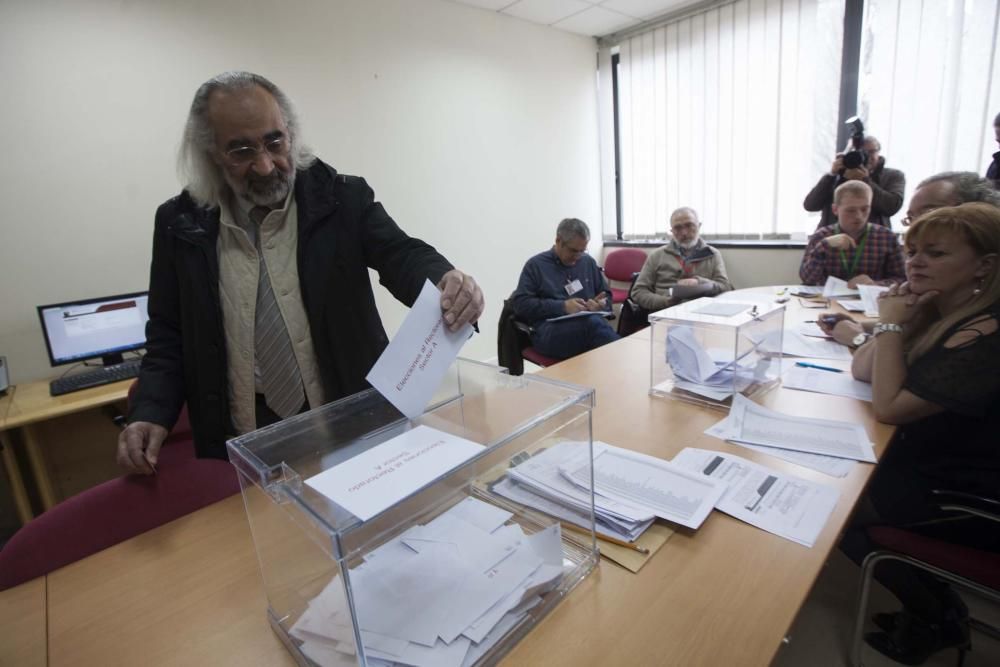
859	340
881	328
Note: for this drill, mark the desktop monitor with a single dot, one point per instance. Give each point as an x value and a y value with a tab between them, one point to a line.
101	328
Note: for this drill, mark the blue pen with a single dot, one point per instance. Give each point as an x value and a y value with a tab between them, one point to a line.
821	368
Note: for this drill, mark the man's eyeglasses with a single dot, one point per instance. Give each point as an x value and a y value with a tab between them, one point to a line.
244	155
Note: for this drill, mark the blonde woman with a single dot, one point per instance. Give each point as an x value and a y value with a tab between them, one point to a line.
934	365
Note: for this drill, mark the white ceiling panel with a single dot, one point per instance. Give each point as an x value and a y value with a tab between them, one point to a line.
596	21
645	9
495	5
546	12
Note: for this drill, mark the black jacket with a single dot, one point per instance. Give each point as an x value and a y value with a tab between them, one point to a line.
887	195
342	231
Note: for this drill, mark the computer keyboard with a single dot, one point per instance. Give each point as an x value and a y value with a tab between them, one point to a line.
95	378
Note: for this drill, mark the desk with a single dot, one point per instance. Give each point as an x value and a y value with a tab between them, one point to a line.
189	592
22	624
28	404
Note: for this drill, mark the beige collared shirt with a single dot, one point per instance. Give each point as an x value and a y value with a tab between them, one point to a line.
238	278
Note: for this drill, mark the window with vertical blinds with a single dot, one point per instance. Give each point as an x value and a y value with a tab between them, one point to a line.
732	111
929	83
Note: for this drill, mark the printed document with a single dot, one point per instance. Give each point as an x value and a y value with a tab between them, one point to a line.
582	313
669	491
413	365
828	465
788	506
757	425
375	480
825	382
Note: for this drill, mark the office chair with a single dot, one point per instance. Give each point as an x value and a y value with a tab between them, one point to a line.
514	343
965	567
623	265
113	512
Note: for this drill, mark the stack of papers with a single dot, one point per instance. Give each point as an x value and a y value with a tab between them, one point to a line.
439	594
538	482
789	506
630	489
822	444
795	344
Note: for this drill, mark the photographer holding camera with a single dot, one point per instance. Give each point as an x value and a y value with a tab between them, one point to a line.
862	163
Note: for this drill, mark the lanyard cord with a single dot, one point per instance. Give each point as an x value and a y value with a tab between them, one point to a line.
857	253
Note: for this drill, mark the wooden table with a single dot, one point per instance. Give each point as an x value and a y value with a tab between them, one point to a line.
22	409
189	592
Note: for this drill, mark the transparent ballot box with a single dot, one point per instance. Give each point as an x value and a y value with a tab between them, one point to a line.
383	540
706	350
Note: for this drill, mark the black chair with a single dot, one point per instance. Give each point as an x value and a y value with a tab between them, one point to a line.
632	317
514	343
965	567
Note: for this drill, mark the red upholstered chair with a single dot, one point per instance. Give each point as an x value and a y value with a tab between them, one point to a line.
119	509
623	265
965	567
115	511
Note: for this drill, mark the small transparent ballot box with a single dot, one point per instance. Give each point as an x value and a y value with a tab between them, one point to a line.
383	540
706	350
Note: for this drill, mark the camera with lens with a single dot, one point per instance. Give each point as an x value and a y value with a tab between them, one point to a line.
857	156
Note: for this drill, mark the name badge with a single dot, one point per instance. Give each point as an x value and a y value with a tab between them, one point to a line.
573	287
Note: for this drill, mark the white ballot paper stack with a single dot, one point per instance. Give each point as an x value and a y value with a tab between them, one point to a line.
696	371
439	595
413	365
788	506
749	423
630	489
825	382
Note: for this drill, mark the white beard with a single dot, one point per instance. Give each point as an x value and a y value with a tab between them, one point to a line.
687	245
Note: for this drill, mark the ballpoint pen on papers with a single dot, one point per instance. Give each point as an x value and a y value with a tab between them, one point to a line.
803	364
622	543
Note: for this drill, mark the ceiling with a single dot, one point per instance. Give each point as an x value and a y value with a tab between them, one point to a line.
594	18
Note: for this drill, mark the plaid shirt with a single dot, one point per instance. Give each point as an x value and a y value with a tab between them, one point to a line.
881	258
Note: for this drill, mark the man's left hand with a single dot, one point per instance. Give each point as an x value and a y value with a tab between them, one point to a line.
461	299
856	174
691	282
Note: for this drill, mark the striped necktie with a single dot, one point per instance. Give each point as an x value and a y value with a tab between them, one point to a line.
280	376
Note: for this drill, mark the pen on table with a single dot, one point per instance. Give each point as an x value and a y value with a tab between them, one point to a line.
817	367
612	540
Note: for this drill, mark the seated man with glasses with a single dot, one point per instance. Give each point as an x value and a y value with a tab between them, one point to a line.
563	297
260	304
685	268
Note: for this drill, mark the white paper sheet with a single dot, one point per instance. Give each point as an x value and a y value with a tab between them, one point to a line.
828	465
852	305
837	287
825	382
812	330
789	506
416	360
869	297
794	344
723	308
370	482
758	425
582	313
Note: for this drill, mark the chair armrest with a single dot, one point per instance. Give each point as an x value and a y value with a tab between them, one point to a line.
523	327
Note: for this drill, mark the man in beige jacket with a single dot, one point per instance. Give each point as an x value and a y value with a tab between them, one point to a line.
685	268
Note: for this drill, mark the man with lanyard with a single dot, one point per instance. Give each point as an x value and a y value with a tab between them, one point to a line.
685	268
853	249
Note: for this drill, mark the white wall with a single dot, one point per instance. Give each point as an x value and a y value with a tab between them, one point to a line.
478	132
